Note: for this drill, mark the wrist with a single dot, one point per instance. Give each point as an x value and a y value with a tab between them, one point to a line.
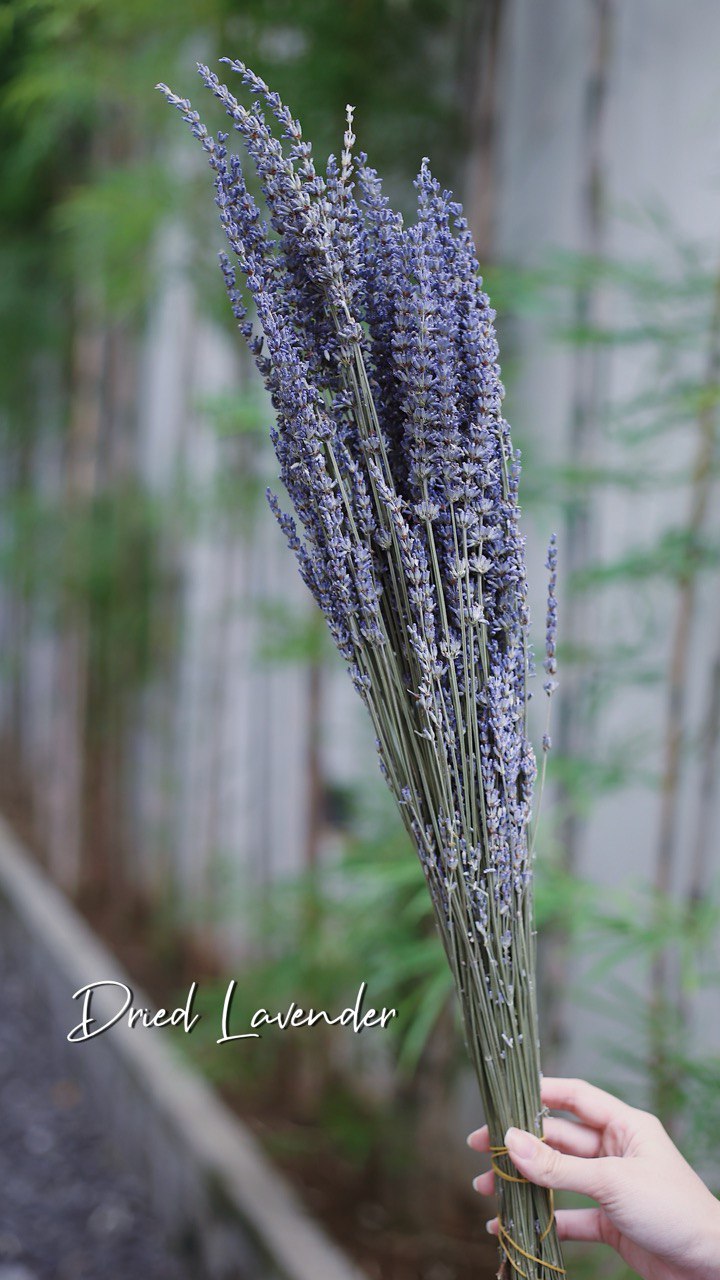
707	1266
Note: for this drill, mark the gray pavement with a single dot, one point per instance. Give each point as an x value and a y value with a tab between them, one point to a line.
67	1210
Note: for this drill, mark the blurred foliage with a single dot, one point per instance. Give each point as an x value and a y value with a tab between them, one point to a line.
392	59
93	161
319	930
97	560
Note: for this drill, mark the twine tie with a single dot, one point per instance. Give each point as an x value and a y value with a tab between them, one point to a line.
505	1237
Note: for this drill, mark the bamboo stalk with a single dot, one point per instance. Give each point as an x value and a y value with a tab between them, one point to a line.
580	532
680	660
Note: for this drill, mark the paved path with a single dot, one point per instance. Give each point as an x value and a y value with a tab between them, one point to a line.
66	1211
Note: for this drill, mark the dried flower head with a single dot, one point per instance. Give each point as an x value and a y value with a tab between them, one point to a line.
377	345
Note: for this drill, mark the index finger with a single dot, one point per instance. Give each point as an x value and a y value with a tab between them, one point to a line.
479	1139
592	1105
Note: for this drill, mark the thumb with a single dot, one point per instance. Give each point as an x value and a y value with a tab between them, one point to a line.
542	1164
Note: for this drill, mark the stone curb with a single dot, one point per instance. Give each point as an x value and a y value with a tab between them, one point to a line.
207	1169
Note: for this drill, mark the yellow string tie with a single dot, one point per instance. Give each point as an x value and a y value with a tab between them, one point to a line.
503	1151
505	1235
531	1257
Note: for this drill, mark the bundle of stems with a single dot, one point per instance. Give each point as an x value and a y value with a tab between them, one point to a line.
377	344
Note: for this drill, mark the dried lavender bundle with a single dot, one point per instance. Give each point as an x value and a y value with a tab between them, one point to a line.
377	345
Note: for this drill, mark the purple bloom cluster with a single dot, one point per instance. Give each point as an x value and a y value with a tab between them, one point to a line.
550	663
377	344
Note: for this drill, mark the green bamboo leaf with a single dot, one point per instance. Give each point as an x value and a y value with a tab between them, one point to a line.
433	1000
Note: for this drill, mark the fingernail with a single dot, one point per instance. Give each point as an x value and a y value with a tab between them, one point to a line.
520	1144
490	1226
471	1136
475	1183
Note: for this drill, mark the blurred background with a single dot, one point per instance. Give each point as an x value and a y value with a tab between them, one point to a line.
180	749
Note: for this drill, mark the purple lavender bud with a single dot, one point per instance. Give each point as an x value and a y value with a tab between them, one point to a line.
550	663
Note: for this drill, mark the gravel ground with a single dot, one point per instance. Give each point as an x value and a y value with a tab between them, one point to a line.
66	1211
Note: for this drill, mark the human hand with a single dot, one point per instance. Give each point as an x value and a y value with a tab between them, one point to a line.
653	1209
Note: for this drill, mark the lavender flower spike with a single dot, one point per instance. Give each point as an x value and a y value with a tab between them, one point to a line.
376	342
